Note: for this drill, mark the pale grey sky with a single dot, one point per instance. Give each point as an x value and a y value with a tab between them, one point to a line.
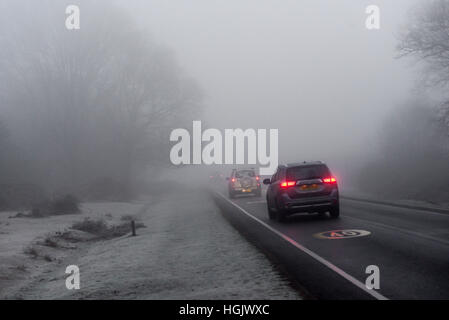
309	68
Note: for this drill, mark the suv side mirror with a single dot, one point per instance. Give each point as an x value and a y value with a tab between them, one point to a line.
267	181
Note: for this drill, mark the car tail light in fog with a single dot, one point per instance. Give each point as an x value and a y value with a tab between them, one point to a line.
330	180
233	179
287	184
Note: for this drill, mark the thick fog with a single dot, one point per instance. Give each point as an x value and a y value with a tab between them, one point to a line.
95	106
309	68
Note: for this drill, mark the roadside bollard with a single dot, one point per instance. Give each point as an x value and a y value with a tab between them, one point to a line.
133	228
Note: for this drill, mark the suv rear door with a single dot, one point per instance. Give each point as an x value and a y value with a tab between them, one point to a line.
273	187
309	181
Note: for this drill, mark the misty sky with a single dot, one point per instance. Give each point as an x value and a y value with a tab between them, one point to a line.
309	68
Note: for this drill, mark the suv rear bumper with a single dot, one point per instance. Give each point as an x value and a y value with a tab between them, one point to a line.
310	204
253	189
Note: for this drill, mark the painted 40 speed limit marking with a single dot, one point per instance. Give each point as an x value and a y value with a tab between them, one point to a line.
341	234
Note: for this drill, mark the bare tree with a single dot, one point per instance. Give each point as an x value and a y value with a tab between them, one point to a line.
410	142
93	103
427	38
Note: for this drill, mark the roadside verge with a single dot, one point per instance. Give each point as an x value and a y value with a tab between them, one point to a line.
397	204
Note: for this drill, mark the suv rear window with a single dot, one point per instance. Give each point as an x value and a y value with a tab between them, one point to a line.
245	173
308	172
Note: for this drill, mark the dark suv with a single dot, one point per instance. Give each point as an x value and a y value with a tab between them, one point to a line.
302	187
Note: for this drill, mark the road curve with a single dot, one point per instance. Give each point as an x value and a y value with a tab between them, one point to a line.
410	247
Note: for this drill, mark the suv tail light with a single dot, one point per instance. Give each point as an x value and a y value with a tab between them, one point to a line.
287	184
330	180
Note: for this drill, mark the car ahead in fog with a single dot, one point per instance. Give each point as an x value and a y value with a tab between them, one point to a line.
216	177
302	187
244	182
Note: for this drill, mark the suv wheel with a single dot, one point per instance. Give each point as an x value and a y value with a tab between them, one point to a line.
335	212
280	214
321	214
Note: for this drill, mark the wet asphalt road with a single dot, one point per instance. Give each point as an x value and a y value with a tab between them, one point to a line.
410	247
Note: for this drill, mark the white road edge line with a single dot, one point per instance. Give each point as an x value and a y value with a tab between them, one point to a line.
328	264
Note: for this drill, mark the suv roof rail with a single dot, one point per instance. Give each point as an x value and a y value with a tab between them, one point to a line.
302	163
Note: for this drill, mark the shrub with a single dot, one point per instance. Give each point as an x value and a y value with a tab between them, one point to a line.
31	250
62	205
66	205
98	227
50	242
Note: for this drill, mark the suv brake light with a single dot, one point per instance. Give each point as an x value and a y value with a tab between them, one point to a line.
287	184
330	180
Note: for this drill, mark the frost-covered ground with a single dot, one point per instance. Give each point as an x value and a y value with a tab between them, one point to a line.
18	234
186	251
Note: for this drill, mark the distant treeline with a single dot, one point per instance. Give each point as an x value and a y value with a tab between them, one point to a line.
413	157
86	112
